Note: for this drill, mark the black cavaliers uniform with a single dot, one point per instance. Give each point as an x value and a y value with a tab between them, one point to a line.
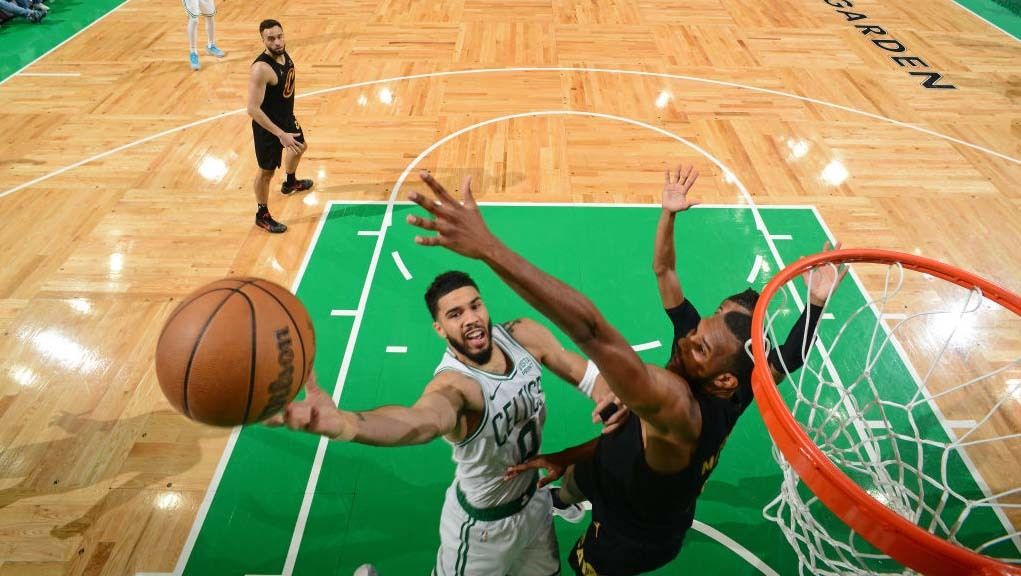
278	104
639	515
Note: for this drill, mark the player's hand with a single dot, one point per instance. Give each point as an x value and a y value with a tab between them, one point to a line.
676	187
459	225
316	414
289	140
554	464
823	280
616	417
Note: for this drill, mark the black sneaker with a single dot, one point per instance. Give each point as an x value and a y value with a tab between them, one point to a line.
267	223
573	513
298	186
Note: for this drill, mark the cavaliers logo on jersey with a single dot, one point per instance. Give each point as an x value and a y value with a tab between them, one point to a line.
289	83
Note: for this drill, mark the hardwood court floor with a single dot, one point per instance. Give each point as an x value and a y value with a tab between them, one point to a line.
790	97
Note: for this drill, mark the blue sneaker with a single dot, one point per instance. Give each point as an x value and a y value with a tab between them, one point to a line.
194	59
214	51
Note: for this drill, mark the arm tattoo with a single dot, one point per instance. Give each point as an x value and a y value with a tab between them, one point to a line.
509	326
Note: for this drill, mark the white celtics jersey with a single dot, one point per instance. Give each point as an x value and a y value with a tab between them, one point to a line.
511	428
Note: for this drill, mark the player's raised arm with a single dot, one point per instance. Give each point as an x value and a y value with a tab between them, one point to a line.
462	230
822	283
434	414
664	259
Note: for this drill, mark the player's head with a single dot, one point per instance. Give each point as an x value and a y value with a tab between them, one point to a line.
272	33
460	316
712	356
741	301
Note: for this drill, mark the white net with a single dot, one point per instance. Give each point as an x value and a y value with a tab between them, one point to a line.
916	396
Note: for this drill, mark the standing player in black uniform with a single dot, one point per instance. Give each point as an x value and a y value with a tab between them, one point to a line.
644	478
271	106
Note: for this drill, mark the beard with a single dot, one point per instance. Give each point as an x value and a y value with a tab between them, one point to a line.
480	357
676	365
279	52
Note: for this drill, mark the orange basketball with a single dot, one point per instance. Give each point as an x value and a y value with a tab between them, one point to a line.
235	352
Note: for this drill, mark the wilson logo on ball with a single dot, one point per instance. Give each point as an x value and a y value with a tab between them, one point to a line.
280	388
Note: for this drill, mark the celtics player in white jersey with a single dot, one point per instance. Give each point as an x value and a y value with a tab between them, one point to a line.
486	399
206	9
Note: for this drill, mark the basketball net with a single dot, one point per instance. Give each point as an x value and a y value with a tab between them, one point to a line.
906	425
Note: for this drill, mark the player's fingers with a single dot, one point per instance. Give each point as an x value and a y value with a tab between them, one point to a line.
297	416
690	177
430	241
618	417
600	406
469	198
275	420
424	202
423	223
843	272
436	187
682	178
552	476
513	471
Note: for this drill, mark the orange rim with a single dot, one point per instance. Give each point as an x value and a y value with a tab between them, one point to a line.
883	528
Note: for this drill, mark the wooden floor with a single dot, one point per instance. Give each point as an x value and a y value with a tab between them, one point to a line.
796	103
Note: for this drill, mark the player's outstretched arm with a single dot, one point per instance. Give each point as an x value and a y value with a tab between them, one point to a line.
462	230
434	414
664	259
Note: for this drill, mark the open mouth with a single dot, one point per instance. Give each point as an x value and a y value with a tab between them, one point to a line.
476	337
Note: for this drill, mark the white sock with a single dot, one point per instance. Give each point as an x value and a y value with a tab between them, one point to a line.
193	29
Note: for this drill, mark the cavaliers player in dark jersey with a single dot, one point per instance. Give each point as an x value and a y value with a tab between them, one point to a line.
271	106
642	479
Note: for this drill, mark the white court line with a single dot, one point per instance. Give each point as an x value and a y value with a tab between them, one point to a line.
52	74
368	232
876	424
828	316
781	237
72	37
397	349
343	312
735	547
962	424
520	69
894	316
400	265
733	206
980	17
756	268
647	346
299	529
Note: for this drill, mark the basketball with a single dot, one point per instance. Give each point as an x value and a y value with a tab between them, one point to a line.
235	352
